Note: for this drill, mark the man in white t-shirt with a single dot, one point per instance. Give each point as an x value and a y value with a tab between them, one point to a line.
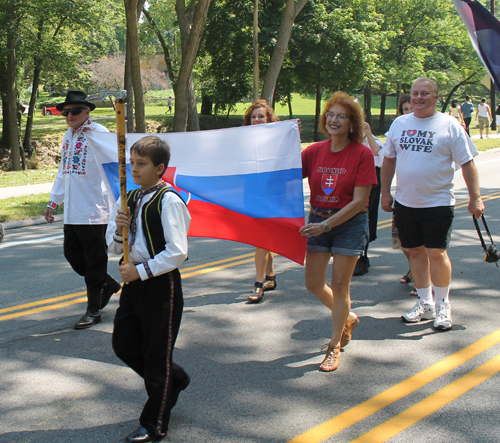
424	149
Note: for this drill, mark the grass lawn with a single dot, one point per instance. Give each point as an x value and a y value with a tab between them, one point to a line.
25	207
28	177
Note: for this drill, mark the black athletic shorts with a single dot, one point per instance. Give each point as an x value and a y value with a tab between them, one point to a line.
429	227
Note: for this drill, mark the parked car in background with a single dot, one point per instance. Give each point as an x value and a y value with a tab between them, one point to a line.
50	111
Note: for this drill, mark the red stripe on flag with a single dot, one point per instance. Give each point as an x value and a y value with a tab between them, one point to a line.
280	235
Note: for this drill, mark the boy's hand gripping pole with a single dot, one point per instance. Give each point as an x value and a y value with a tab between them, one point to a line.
122	166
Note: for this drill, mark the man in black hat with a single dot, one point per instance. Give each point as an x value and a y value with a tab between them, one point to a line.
86	212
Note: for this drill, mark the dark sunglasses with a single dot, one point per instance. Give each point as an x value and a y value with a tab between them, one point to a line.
74	111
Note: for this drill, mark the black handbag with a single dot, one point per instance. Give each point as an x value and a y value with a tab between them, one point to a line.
492	255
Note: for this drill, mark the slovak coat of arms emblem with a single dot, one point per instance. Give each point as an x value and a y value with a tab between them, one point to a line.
328	183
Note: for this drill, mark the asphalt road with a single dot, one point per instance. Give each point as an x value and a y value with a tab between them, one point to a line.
254	368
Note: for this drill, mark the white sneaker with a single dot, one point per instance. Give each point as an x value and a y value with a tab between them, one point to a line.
443	320
421	311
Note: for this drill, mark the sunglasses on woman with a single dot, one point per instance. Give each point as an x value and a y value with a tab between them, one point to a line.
74	111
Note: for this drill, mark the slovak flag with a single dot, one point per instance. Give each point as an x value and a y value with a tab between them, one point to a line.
242	184
484	32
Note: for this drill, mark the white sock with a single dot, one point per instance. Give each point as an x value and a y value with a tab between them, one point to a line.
425	295
442	294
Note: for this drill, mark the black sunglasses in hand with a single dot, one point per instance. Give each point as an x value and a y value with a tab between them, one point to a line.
74	111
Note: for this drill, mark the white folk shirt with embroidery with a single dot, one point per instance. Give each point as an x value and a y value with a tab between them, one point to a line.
175	220
78	182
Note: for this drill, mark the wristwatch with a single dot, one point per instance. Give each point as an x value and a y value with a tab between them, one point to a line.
326	226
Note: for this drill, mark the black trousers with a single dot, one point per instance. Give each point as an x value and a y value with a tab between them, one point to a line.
373	203
86	251
145	330
467	121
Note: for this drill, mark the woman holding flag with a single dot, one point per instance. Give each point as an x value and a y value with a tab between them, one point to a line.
341	174
265	278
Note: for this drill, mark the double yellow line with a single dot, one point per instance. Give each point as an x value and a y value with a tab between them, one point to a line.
412	415
419	411
72	299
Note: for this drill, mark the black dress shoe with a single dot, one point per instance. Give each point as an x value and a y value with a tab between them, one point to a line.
141	434
88	320
110	287
183	384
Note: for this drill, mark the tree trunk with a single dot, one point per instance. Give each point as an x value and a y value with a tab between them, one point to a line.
289	100
37	63
381	121
190	39
398	95
19	116
11	114
367	94
290	12
206	106
5	123
130	92
317	114
164	46
193	122
133	9
256	73
31	111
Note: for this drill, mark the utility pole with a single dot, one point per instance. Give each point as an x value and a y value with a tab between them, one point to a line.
256	50
492	86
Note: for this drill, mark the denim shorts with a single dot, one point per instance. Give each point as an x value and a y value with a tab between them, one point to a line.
349	238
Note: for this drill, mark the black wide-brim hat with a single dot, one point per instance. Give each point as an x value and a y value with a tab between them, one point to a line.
75	98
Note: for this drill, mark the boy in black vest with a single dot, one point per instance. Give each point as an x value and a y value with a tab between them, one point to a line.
148	318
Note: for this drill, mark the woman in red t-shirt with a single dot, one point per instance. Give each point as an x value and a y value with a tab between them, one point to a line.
265	278
341	173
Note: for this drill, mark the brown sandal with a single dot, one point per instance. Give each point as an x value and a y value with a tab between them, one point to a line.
332	357
350	324
257	293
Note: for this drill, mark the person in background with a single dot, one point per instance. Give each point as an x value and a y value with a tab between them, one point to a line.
455	110
341	174
86	211
265	278
373	202
404	107
467	109
483	117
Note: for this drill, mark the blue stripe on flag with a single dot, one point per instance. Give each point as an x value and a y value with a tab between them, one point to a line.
111	171
262	195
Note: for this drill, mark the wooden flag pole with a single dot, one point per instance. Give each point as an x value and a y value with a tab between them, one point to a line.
122	167
122	164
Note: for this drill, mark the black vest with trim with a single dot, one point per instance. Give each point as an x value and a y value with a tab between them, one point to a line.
151	218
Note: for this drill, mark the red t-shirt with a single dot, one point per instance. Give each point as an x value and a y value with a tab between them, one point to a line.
334	175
